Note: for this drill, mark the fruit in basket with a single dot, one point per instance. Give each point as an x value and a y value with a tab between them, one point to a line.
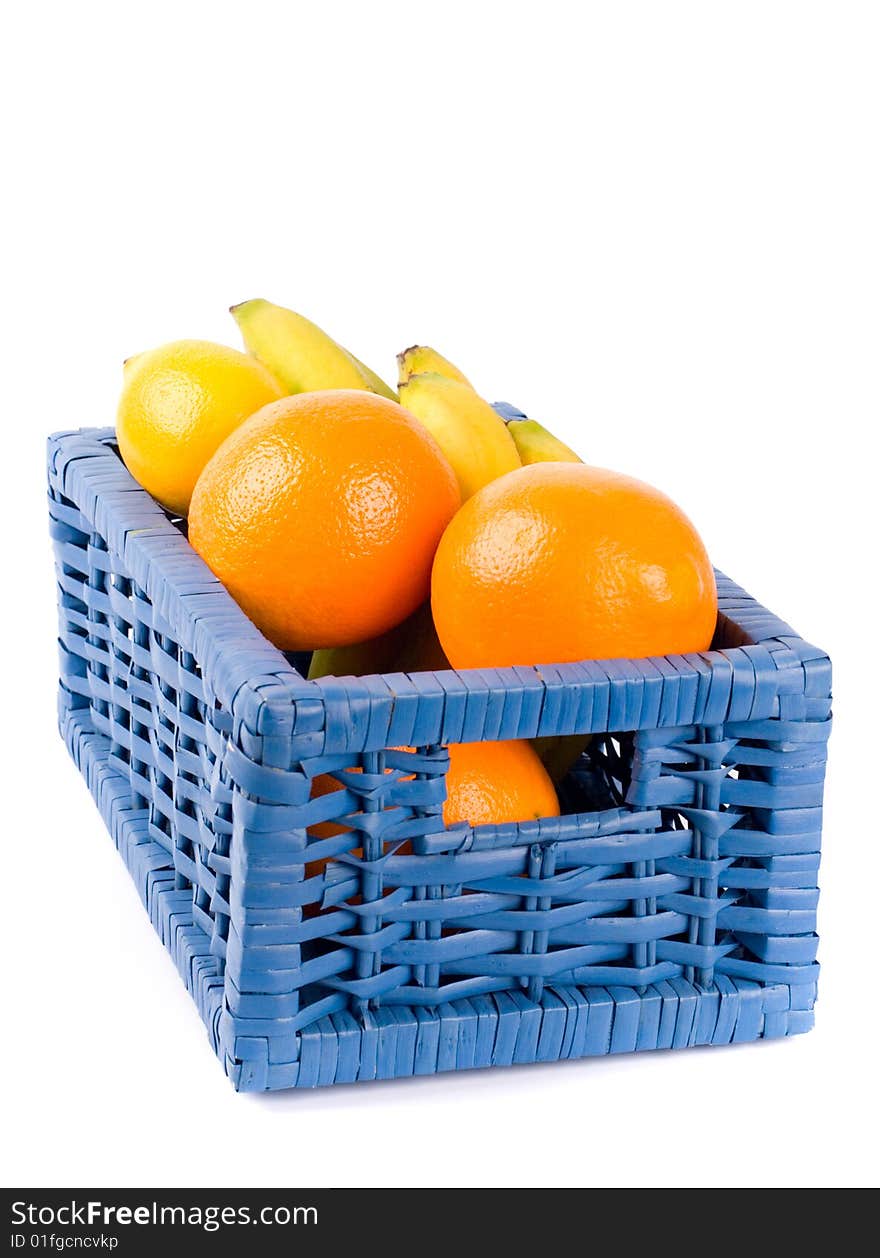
321	515
560	562
299	354
493	783
536	444
488	783
420	359
410	647
470	433
178	403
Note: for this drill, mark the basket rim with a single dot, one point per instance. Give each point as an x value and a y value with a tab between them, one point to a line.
242	670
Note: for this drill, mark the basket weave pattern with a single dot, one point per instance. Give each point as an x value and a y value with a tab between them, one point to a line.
676	905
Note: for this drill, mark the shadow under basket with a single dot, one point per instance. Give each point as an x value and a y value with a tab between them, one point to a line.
673	904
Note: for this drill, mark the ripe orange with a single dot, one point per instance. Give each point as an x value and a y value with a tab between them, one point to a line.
321	515
178	403
492	783
557	562
486	783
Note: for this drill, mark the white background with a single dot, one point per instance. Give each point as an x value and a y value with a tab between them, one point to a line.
654	226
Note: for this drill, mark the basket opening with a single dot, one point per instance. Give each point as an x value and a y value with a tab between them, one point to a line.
727	635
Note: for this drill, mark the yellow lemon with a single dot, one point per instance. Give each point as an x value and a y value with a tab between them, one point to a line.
179	402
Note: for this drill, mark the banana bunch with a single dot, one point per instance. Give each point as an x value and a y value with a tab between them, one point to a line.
478	443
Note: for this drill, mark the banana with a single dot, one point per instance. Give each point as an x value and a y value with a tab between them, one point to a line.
410	647
537	445
298	353
419	359
470	433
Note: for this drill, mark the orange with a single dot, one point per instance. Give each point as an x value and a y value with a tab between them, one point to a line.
492	783
321	515
178	403
486	783
557	562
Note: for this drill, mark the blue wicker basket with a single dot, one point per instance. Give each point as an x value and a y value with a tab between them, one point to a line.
674	904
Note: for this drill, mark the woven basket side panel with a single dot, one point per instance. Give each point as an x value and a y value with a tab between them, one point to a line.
122	669
305	941
352	897
751	793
